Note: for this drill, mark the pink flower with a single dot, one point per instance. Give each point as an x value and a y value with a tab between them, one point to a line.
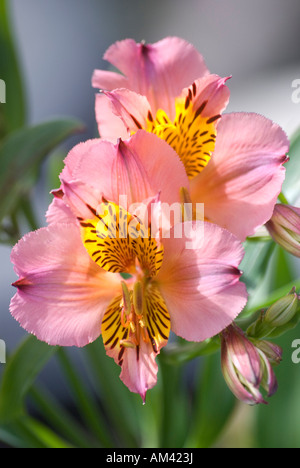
235	161
247	366
70	287
284	227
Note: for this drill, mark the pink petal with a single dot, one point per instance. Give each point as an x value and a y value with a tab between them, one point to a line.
81	199
200	284
210	93
270	382
110	126
158	71
240	185
62	294
132	171
74	159
107	80
139	375
130	107
59	212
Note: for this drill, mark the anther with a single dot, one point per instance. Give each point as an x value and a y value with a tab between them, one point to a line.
127	344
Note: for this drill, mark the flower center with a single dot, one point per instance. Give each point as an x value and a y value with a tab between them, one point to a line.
120	243
191	134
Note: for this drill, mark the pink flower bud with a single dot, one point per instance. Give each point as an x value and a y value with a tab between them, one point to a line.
284	227
247	367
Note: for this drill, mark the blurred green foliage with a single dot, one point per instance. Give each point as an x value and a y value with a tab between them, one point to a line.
13	115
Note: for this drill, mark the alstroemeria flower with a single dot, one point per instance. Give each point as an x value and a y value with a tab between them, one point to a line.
235	161
71	286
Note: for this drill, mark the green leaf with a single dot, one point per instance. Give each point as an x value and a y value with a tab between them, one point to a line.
57	416
13	110
21	155
27	432
20	372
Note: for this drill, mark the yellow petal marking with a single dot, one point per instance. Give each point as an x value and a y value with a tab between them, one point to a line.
119	242
191	135
121	332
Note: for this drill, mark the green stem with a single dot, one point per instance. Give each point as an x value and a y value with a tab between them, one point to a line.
172	434
264	238
283	199
181	353
120	404
272	298
86	405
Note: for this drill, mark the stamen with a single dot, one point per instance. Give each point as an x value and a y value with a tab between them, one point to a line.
185	196
124	321
126	302
138	298
133	327
186	204
127	344
145	334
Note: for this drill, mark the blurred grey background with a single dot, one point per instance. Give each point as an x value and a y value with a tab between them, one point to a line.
61	42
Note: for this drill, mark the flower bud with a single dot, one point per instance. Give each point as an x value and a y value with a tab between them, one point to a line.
284	227
246	366
283	310
281	316
272	351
